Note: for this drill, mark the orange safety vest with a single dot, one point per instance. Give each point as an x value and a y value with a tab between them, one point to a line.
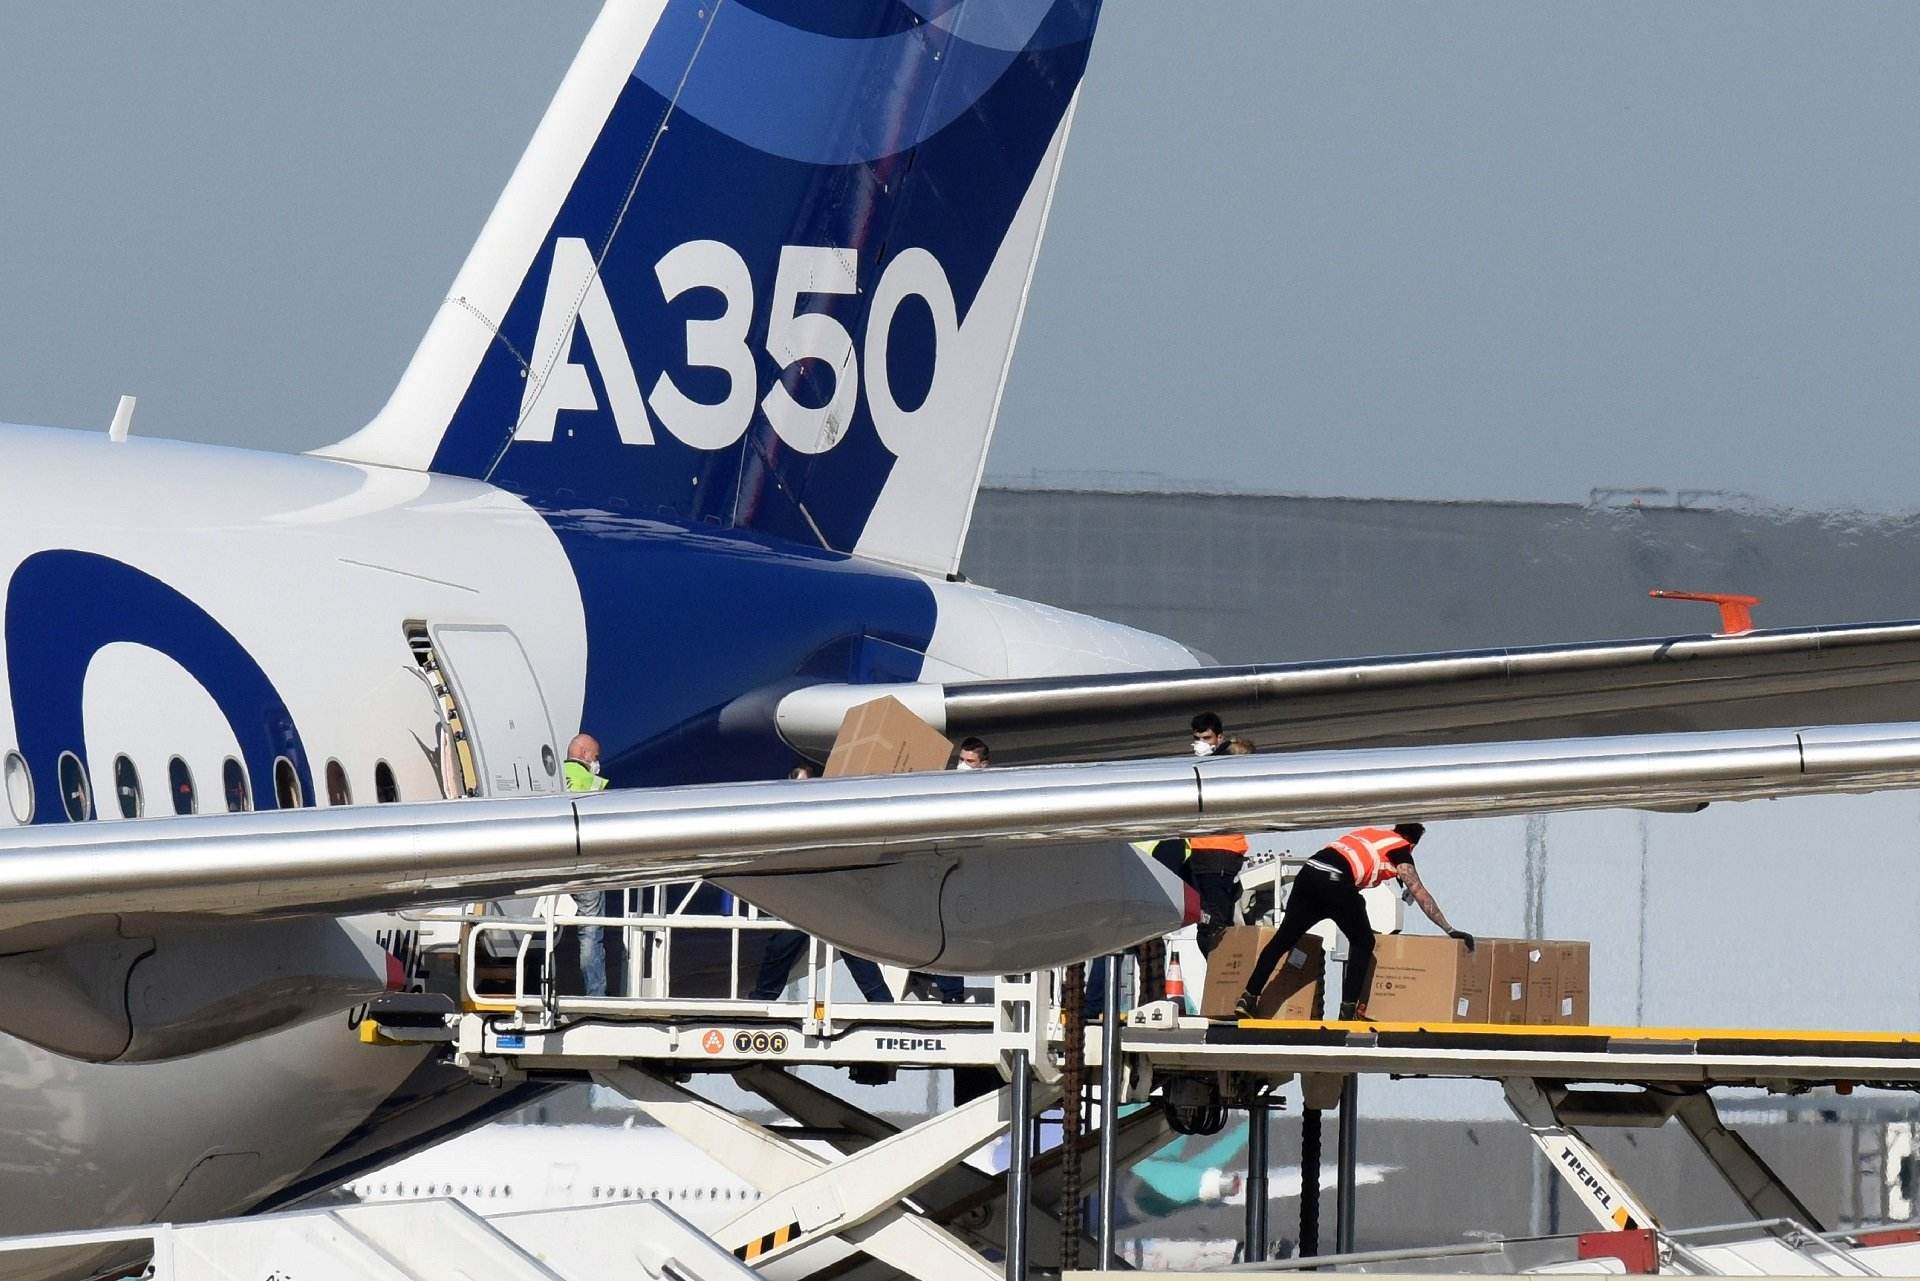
1368	852
1231	844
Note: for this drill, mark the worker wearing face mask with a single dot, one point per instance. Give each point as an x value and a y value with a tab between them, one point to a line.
1209	735
582	774
582	770
974	754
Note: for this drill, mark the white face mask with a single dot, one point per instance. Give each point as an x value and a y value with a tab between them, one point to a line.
966	765
1201	748
595	767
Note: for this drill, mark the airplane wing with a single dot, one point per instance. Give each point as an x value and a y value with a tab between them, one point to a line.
1821	675
61	882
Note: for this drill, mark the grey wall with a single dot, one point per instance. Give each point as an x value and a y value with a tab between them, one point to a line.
1272	578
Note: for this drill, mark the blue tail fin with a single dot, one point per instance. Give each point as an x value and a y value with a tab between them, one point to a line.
761	267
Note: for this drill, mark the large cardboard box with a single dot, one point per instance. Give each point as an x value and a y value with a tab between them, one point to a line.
1421	978
1508	963
1572	962
1289	994
1541	981
883	737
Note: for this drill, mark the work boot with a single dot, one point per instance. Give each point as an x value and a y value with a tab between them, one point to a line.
1244	1007
1354	1012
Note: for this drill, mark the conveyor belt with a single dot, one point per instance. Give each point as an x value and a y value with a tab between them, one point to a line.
1710	1056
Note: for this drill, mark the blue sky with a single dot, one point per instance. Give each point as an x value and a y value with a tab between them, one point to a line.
1511	250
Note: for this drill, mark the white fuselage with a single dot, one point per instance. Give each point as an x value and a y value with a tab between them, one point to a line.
314	571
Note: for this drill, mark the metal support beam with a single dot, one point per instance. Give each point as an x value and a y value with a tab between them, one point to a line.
1761	1190
967	1202
807	1200
1309	1183
1019	1167
1605	1195
1257	1164
1109	1109
1345	1200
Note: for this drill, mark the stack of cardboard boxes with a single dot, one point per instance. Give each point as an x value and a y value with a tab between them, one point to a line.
1417	979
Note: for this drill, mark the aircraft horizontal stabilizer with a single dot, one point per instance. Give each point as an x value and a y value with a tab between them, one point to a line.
1802	676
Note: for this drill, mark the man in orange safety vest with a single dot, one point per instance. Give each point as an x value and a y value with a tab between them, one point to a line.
1328	888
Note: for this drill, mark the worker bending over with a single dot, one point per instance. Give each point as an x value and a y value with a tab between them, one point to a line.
1328	888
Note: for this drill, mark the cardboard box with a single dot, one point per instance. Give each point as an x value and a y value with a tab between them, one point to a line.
883	737
1508	963
1428	979
1573	965
1541	981
1289	994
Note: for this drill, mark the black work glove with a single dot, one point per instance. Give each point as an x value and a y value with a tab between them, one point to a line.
1463	936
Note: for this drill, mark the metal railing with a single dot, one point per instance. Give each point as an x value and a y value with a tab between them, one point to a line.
521	965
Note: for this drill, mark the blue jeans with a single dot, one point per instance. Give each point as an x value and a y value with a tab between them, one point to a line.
784	949
592	943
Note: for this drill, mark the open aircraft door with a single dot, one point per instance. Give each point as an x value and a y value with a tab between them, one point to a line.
502	721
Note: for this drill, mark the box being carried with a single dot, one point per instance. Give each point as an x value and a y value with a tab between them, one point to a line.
1425	979
884	737
1290	994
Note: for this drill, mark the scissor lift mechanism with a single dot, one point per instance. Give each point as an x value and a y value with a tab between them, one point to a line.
907	1199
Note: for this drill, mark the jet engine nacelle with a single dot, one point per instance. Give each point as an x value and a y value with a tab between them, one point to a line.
170	989
996	912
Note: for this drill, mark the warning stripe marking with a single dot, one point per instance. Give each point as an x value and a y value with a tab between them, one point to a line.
1818	1038
768	1243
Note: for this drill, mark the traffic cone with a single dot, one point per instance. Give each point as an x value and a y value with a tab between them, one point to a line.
1176	985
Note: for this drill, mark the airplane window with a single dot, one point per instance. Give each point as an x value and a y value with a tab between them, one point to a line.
180	783
626	1194
19	788
286	784
74	790
126	787
239	796
339	792
385	790
547	759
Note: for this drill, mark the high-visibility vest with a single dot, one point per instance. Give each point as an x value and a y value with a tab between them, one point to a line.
581	778
1369	851
1230	843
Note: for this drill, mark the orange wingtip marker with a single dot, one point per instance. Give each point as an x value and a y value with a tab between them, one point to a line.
1736	612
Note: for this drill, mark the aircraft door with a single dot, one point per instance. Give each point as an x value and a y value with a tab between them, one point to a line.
503	713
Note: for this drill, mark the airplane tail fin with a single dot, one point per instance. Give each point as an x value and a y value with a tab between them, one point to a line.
760	268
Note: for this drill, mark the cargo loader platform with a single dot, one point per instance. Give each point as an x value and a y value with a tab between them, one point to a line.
1785	1060
906	1197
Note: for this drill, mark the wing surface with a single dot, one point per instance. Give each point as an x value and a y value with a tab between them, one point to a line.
56	881
1851	674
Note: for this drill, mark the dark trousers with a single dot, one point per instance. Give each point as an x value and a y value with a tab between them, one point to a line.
1319	894
1215	877
784	949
